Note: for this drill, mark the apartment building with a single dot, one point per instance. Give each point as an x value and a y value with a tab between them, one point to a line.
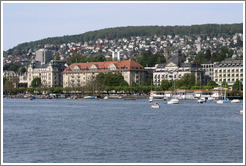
50	74
228	70
174	69
43	55
81	74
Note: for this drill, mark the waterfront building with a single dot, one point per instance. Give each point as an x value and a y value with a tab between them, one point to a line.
16	78
174	69
50	74
228	70
43	55
208	72
81	74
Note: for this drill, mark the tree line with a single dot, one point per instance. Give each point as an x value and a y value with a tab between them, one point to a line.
115	81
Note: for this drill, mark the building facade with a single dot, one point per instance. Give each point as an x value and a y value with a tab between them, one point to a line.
18	79
208	72
228	70
173	69
50	74
44	56
81	74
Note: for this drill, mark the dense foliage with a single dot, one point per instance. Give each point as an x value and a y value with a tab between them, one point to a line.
146	58
127	32
36	82
237	85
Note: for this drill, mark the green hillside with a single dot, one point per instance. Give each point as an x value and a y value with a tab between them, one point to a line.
119	32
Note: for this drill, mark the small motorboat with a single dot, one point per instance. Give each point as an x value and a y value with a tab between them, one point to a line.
32	97
105	98
173	101
155	105
241	112
235	101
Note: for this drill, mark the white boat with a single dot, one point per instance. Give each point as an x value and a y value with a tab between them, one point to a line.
201	100
173	101
235	101
150	99
105	98
155	105
241	112
220	102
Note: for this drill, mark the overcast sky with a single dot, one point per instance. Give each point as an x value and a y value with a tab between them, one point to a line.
24	22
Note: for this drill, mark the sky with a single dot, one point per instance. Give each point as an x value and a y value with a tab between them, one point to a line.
25	22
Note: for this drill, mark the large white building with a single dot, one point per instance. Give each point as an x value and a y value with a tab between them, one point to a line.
50	74
173	69
81	74
228	70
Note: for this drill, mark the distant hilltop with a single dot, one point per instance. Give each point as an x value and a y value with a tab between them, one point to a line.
133	31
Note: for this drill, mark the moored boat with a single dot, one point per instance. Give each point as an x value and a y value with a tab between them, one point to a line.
235	101
155	105
89	97
173	101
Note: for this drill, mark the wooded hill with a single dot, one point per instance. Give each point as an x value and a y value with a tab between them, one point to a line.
131	31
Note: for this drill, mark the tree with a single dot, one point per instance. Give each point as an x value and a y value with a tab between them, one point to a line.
188	80
13	68
22	69
224	84
212	83
165	85
200	58
36	82
208	55
237	85
75	58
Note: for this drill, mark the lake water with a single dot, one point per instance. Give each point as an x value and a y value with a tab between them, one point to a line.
121	131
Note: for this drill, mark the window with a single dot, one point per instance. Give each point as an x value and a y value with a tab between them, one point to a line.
228	80
228	70
215	71
224	71
228	75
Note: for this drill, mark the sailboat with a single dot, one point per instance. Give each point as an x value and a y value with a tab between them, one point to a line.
224	100
173	100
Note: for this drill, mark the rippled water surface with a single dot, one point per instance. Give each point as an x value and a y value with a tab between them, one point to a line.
120	131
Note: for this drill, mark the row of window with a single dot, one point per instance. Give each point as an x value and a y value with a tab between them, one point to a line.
229	75
228	80
228	70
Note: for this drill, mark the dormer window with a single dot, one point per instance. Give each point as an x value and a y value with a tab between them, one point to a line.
112	67
93	67
75	68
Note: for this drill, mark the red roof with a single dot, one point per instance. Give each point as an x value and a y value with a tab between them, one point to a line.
120	65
